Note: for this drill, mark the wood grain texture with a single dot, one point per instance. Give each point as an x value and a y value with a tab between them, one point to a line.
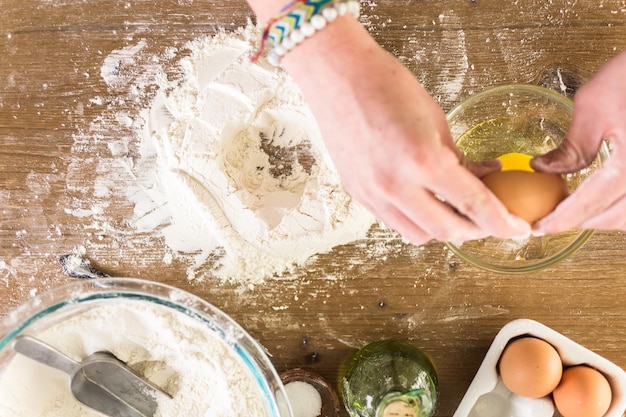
51	55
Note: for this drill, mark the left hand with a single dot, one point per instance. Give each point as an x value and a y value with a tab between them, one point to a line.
599	114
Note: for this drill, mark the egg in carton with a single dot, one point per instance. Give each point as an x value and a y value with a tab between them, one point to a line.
487	396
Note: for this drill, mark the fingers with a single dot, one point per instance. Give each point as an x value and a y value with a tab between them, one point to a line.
469	196
437	218
431	213
468	211
596	203
610	219
451	220
419	215
395	219
583	140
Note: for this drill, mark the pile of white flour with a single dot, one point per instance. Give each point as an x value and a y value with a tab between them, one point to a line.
184	358
233	169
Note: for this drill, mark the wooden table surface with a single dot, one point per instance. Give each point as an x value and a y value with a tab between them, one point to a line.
51	55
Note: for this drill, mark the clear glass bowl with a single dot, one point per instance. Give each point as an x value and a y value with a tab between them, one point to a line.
54	307
524	119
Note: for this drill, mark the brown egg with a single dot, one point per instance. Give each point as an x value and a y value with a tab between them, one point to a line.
529	195
530	367
583	392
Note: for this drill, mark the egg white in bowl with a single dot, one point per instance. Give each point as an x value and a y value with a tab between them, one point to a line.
517	119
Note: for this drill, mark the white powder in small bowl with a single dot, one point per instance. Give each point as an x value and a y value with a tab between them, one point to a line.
304	398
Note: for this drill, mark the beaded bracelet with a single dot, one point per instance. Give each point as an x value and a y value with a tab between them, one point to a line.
299	20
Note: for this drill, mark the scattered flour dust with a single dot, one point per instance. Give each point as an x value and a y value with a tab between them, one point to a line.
231	169
160	343
445	49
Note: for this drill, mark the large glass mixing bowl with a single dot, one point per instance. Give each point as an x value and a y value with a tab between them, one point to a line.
522	119
56	307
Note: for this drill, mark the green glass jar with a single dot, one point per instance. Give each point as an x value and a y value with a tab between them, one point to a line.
389	378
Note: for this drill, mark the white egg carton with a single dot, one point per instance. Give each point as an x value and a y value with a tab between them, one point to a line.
487	396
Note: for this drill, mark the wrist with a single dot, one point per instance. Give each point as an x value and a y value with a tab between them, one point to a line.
299	20
338	41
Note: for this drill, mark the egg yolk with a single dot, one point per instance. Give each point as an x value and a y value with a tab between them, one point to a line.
516	161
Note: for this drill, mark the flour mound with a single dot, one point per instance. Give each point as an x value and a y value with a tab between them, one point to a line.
241	163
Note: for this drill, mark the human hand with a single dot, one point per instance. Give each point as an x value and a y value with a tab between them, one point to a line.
599	113
390	140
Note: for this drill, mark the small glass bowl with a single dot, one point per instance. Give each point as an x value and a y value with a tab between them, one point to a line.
41	313
330	406
525	119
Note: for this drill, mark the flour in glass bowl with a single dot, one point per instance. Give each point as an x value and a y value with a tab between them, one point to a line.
234	154
188	360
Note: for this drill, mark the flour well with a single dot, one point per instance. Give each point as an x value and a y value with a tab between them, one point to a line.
185	358
232	157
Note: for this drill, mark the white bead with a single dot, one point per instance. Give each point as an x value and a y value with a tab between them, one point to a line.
342	8
279	50
288	43
354	8
307	29
274	60
296	36
318	22
329	13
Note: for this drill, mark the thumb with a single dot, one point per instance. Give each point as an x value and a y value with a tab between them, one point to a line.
569	157
481	169
578	150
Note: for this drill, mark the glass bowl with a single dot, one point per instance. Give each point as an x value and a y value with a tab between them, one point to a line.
522	119
179	342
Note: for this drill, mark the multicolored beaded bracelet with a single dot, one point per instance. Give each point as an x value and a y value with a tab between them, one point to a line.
299	20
